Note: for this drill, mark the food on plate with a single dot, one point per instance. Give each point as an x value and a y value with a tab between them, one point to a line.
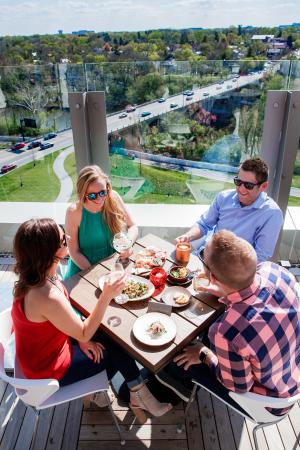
180	298
150	257
156	329
179	272
134	289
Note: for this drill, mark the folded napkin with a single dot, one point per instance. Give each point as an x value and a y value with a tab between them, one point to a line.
159	307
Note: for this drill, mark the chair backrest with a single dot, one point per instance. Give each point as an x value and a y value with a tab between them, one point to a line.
31	392
256	404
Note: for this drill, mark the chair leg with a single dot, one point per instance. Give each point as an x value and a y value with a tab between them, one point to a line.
122	440
179	427
36	421
257	427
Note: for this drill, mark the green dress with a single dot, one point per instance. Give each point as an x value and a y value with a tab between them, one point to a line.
94	238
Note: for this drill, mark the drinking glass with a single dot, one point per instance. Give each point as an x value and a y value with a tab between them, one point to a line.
121	242
117	271
200	280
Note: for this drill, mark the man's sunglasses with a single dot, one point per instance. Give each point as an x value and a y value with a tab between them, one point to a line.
248	185
63	242
93	195
201	257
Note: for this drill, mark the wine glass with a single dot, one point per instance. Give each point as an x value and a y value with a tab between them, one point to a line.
122	242
116	273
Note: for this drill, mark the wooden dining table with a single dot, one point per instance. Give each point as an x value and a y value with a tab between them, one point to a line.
84	291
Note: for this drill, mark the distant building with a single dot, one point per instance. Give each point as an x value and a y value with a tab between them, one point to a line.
60	32
262	37
82	32
274	52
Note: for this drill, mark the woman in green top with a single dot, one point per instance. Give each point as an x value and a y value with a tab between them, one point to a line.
93	219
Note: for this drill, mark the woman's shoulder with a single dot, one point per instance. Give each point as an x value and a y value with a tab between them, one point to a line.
74	208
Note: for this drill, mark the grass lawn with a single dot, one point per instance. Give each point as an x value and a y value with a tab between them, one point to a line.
294	201
33	182
70	168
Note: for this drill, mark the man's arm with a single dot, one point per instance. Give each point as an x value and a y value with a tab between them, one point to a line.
231	368
206	223
267	236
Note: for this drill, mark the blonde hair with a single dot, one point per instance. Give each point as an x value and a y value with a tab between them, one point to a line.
232	260
112	213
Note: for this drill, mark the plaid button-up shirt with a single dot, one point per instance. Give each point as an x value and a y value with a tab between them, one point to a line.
257	339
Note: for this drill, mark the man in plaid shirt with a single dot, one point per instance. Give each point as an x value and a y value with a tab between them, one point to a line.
255	344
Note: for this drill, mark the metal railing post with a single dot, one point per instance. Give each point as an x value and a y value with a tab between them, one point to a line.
280	142
88	119
96	112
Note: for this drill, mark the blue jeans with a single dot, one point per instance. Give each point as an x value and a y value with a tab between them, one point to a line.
114	359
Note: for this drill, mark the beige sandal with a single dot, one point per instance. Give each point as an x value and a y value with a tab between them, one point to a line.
142	400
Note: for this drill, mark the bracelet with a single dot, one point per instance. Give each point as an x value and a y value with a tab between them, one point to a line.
203	354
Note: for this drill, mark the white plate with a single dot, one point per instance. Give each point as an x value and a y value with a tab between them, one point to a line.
168	296
141	325
150	285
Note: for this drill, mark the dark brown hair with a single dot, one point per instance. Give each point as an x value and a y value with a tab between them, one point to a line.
257	166
35	245
232	260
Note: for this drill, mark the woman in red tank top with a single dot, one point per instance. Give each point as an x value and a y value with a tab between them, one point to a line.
51	340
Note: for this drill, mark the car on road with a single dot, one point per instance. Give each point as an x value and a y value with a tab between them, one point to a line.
130	108
121	116
7	168
161	100
221	82
173	105
229	86
145	113
218	87
188	92
189	97
18	146
205	94
33	144
45	145
49	136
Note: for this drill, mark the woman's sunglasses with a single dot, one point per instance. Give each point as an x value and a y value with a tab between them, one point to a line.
248	185
63	242
93	195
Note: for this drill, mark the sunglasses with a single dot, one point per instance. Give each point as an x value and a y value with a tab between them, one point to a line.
201	257
93	195
63	242
248	185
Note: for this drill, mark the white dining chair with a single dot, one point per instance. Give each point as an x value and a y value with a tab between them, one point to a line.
40	394
251	406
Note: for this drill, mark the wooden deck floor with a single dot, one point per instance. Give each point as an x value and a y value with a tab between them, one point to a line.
209	426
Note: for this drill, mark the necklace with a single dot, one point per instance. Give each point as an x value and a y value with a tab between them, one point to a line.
53	279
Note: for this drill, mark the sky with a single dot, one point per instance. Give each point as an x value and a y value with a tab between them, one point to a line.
26	17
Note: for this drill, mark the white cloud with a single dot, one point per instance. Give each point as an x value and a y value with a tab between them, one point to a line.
42	16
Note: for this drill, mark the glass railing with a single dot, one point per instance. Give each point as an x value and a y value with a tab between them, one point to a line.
177	130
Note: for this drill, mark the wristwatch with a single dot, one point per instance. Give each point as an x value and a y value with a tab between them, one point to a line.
203	354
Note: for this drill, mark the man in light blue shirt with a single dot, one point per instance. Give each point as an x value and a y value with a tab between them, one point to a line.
247	211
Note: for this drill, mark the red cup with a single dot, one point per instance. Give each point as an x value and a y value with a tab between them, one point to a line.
158	276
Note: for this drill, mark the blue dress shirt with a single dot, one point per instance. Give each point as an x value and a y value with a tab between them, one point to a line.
259	223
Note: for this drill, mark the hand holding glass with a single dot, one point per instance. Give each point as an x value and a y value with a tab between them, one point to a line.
122	243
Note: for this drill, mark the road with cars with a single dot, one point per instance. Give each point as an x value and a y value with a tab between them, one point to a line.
140	113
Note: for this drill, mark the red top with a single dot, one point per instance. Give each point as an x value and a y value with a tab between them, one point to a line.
43	351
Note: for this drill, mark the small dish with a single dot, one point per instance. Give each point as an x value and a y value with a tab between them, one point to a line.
179	274
178	283
170	294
